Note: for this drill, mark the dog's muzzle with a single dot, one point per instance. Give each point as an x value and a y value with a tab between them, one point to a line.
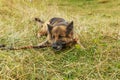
58	45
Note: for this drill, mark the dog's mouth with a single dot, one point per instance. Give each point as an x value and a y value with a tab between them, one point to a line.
58	47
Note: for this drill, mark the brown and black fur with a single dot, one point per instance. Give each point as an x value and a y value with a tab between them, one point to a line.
58	31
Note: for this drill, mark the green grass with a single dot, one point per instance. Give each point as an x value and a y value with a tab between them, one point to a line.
97	22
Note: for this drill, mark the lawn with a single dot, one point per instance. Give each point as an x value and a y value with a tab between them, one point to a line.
96	22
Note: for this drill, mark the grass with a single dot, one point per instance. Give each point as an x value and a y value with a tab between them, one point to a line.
97	22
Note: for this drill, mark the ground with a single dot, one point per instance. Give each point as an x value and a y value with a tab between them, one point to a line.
97	22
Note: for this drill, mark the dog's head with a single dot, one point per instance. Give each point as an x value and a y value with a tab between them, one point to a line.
60	35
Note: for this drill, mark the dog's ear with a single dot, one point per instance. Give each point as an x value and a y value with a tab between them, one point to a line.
69	27
49	28
38	20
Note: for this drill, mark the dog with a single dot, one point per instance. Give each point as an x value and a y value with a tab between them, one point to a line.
58	31
59	34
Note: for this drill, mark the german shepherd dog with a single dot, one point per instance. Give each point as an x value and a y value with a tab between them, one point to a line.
58	31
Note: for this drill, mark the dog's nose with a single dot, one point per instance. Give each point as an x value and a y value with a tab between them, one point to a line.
56	47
